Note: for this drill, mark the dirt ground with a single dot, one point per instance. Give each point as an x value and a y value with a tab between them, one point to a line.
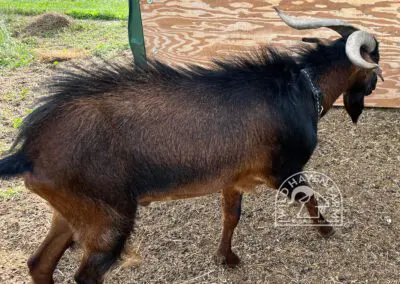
176	240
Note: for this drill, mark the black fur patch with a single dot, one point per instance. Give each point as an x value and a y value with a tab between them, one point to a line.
14	165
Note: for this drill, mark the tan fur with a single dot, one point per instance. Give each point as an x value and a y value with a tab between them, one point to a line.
334	83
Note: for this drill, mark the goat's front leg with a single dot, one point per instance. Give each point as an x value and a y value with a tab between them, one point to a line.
324	228
231	202
306	196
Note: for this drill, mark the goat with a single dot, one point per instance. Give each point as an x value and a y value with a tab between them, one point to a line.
113	137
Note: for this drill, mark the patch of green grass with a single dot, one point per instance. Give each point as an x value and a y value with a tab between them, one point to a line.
10	192
81	9
17	122
23	93
13	53
98	38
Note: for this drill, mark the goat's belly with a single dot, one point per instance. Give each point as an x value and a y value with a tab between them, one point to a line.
243	184
181	192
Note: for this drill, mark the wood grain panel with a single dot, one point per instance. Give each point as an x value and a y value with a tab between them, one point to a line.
184	31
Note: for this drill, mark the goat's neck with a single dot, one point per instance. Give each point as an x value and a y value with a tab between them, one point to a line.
333	83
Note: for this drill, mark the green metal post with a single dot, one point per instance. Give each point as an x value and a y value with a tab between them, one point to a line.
135	33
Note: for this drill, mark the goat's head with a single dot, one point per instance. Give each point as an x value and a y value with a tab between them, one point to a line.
362	49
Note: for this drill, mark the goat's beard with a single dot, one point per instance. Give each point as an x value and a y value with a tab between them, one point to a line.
354	104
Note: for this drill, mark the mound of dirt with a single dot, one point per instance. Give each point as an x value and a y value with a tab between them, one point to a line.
47	24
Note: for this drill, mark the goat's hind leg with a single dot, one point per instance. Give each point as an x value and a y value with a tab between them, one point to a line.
44	261
100	229
102	247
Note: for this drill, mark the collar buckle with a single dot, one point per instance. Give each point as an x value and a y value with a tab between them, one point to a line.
321	111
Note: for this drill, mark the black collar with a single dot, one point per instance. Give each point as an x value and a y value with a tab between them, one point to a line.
317	93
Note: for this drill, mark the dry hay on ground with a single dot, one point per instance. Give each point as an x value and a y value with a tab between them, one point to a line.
48	56
48	23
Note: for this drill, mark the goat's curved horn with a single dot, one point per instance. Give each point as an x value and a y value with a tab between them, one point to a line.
339	26
354	43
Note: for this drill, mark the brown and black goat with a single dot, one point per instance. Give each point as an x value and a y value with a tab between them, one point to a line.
110	138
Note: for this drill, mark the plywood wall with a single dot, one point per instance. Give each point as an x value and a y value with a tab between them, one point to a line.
195	31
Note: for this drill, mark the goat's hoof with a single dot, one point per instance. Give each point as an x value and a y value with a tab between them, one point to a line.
326	231
228	259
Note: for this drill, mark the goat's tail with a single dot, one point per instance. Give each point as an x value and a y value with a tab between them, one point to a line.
14	165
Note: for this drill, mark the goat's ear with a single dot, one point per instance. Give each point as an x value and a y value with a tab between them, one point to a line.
354	104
